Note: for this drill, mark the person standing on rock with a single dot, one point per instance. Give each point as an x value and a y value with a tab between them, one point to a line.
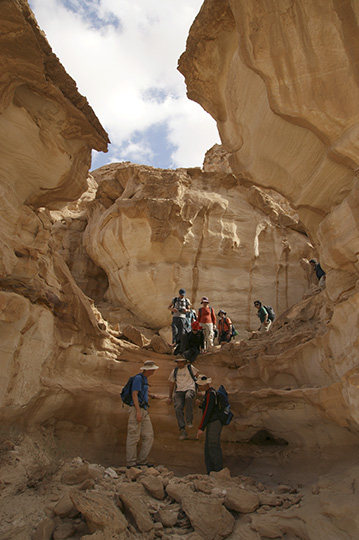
139	422
207	320
211	424
179	307
319	272
224	327
262	313
182	392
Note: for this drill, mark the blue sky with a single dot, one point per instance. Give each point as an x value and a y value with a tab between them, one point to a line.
123	56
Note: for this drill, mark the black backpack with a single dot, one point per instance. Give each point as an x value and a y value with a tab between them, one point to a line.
126	394
270	311
223	405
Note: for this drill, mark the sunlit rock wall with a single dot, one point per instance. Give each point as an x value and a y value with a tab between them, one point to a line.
47	131
154	231
281	80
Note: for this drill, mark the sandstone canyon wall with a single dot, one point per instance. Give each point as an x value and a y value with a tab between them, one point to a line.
89	264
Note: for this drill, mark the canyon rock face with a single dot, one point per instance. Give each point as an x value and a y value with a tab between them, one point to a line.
154	231
90	263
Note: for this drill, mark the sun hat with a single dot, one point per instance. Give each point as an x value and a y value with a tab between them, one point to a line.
221	311
202	380
204	299
195	325
180	359
149	365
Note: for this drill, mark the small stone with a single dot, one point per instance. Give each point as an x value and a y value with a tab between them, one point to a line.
44	530
64	531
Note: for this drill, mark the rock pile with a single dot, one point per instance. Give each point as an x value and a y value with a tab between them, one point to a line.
78	500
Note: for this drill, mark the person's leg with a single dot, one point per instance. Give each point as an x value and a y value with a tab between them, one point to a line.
205	329
133	436
179	402
189	399
214	460
174	331
210	334
146	436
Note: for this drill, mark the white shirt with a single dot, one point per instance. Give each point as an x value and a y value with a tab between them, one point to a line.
183	380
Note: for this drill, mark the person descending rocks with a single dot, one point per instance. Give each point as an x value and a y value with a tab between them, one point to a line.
210	423
224	327
319	272
262	313
179	307
207	320
182	391
139	422
192	344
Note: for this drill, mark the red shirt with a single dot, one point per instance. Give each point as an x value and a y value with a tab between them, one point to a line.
206	315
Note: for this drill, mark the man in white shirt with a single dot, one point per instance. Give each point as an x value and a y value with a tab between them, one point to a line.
182	391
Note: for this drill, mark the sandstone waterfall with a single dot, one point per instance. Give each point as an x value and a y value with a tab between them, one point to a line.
90	262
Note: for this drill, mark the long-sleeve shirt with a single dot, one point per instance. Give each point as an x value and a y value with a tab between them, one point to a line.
210	412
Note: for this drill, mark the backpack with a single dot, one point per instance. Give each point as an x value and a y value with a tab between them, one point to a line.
189	367
223	406
177	299
234	331
126	394
270	311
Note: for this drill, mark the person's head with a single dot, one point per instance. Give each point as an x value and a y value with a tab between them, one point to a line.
204	382
195	326
221	313
182	292
148	368
257	304
204	300
180	361
313	262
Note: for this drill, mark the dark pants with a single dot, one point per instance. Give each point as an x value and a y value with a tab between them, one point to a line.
212	448
180	400
191	354
178	324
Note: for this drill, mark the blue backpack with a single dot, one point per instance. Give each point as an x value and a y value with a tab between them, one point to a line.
126	394
223	405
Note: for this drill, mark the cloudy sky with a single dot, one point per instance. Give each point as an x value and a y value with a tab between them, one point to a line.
123	56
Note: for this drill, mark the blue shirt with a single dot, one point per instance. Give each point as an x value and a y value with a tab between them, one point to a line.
140	385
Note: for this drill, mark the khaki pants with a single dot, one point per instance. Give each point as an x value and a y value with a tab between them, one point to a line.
135	431
208	334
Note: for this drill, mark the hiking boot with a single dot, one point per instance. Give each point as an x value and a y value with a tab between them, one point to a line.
183	435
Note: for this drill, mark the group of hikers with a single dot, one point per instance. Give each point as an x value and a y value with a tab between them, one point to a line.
185	383
191	334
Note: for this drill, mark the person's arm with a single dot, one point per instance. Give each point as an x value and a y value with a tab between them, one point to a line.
213	317
172	307
171	389
137	406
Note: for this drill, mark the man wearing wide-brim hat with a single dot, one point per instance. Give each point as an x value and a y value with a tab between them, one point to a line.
139	422
182	392
210	423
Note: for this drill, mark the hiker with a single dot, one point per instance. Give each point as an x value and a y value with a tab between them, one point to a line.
192	344
263	317
207	320
139	421
179	307
212	424
190	318
182	392
319	272
225	327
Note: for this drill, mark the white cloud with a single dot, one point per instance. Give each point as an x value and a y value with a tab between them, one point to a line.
123	56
